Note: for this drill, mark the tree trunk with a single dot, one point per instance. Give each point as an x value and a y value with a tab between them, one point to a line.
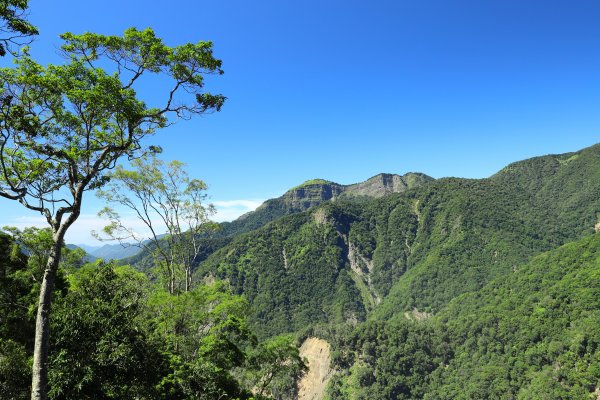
188	279
39	381
171	279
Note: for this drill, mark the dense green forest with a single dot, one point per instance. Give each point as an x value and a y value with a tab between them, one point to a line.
417	249
450	289
119	335
403	286
533	334
373	269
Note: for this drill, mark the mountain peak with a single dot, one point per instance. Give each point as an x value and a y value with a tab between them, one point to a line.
386	183
313	182
316	191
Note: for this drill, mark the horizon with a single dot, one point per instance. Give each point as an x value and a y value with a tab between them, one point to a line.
345	90
79	230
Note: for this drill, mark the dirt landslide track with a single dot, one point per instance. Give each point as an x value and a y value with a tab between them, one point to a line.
312	385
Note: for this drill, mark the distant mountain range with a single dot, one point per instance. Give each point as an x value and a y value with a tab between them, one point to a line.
298	199
110	251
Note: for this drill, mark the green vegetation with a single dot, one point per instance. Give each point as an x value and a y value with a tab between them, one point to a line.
64	127
118	335
532	334
15	28
420	252
311	182
454	289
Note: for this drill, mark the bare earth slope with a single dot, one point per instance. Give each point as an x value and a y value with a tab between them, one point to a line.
312	385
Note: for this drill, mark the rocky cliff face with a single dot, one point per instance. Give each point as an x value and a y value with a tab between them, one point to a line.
317	191
383	184
308	195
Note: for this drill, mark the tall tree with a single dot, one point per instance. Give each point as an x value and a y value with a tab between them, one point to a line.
14	27
170	206
64	127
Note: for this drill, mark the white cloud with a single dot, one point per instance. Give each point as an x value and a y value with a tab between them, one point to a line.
80	231
27	221
228	210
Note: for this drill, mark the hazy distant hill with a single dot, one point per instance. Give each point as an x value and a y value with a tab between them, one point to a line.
110	251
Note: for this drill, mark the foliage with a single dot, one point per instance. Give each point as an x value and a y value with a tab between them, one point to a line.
14	27
133	340
116	334
16	325
15	286
101	345
63	127
387	360
274	368
529	335
163	197
15	371
206	336
37	244
532	334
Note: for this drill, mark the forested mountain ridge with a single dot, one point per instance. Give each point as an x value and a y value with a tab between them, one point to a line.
454	289
531	334
317	191
415	250
298	199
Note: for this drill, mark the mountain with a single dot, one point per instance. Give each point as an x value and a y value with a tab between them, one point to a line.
300	198
317	191
87	258
109	252
343	261
533	333
87	248
115	251
454	289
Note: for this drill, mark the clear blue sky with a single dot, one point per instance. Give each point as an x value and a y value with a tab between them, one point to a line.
343	90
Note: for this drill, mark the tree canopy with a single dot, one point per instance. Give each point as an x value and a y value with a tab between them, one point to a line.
15	30
171	207
64	127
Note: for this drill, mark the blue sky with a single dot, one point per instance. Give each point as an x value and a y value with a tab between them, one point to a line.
343	90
